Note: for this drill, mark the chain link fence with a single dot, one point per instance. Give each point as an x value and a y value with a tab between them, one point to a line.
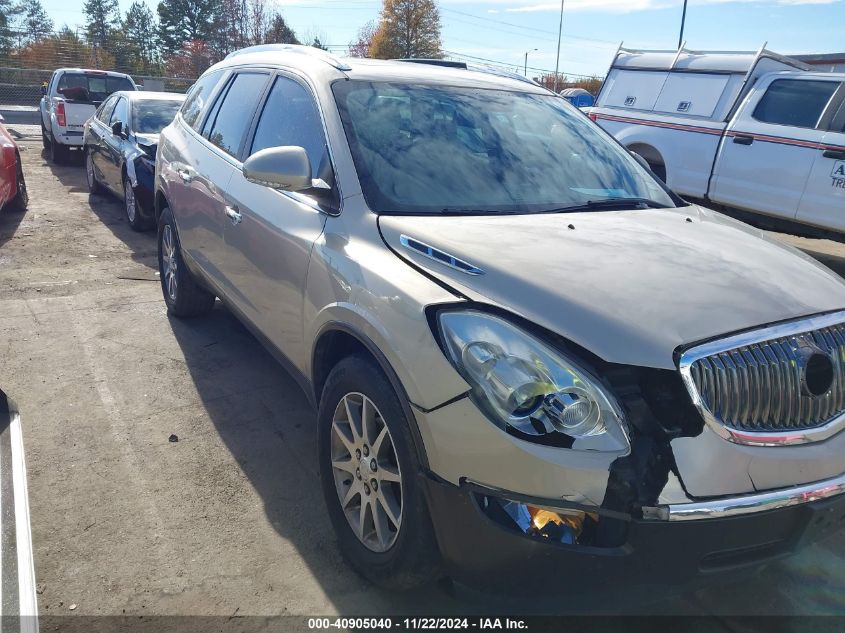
22	86
25	66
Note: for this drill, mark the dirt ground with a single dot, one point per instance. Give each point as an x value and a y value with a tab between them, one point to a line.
229	519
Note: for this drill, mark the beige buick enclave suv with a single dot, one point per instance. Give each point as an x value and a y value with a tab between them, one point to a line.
526	354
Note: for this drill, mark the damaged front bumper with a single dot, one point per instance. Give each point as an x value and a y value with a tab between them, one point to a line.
658	550
748	504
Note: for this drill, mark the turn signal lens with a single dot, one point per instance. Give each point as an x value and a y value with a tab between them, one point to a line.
61	119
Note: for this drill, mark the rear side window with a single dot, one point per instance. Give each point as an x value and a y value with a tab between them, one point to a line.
235	112
290	117
198	97
795	102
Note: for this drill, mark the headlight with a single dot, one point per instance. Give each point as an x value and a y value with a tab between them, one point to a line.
524	385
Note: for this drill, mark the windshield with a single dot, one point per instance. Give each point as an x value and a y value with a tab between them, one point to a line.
153	115
93	87
441	149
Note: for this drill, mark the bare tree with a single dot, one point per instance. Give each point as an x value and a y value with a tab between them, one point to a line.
360	46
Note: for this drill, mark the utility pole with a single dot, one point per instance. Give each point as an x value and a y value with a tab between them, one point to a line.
559	34
683	20
525	68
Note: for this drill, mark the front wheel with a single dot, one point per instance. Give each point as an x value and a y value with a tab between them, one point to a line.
130	205
370	478
184	296
45	140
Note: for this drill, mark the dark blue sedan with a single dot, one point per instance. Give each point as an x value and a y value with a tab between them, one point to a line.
120	147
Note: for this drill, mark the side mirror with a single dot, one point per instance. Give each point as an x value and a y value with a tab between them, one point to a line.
118	130
286	168
44	90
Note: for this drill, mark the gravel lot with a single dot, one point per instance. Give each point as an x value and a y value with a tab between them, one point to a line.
229	519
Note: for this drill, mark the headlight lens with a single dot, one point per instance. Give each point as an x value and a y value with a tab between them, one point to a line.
522	384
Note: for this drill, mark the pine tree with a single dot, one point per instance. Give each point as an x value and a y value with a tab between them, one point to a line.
279	32
183	21
141	34
102	19
35	23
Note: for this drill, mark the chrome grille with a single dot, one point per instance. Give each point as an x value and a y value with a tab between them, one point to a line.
761	386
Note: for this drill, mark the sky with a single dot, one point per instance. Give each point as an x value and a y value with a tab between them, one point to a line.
504	30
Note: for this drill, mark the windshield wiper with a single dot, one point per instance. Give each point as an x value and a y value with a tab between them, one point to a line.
459	211
611	204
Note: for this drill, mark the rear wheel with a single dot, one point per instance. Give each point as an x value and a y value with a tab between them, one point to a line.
58	152
370	478
94	185
183	294
21	200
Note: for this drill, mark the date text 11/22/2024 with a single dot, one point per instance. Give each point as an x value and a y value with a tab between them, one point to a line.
418	623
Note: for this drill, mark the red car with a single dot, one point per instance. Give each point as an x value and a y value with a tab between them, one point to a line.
13	195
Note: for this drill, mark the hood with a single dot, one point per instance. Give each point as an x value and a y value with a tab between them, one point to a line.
147	143
630	286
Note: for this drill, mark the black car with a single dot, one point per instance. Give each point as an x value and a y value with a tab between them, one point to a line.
120	147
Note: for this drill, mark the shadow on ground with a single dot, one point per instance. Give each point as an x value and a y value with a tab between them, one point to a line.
10	222
106	207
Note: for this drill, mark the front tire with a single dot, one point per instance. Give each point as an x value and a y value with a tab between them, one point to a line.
371	478
45	140
130	206
184	296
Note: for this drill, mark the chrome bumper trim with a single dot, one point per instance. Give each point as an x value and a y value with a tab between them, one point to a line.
748	504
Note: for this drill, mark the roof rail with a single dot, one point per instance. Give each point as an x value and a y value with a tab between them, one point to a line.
311	51
478	68
448	63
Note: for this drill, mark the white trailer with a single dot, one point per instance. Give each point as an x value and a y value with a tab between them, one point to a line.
754	131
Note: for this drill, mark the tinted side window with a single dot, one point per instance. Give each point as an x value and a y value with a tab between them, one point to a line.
795	102
198	97
121	112
104	113
235	112
290	117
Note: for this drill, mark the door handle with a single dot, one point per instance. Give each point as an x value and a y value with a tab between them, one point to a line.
836	154
187	175
234	215
743	140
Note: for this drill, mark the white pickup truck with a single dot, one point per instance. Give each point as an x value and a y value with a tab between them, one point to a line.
70	98
753	132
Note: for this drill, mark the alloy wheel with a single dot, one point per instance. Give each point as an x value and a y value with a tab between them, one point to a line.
169	262
129	198
366	472
89	171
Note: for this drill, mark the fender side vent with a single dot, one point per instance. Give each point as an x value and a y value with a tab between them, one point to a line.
439	256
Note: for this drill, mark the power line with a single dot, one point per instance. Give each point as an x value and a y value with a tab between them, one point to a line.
515	65
527	28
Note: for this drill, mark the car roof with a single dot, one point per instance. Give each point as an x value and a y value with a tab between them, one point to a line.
322	66
150	95
93	71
